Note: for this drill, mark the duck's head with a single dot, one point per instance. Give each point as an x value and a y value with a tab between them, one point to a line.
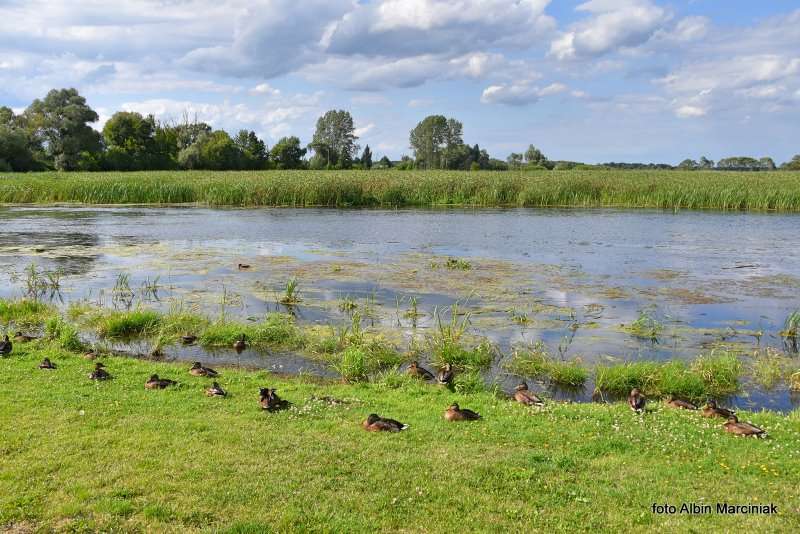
711	403
215	385
46	360
523	386
670	398
454	406
154	378
635	392
373	418
18	333
448	367
733	419
263	392
197	365
99	365
414	364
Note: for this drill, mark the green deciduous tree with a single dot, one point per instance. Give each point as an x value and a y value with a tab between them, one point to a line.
287	153
60	122
334	141
254	151
534	156
793	164
437	143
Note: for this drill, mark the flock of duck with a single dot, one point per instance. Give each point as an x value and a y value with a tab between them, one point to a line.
270	401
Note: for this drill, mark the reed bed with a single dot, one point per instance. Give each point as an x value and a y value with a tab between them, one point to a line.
767	191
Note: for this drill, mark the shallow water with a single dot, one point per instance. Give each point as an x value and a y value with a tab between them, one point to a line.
712	279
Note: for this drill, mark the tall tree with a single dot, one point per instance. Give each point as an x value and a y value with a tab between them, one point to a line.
534	156
793	164
706	163
437	142
334	140
287	153
514	160
60	121
254	151
366	158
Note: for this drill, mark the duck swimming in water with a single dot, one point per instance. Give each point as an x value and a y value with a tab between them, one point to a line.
154	382
240	344
197	369
636	400
455	413
523	396
376	423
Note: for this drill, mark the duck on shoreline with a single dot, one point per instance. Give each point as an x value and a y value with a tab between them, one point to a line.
197	369
414	369
456	413
523	396
376	423
636	400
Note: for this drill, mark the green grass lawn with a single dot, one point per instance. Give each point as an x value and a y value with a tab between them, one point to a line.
750	191
76	455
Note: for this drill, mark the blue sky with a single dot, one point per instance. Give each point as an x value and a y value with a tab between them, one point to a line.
595	81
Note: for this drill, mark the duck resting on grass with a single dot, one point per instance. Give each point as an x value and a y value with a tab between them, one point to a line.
216	390
47	364
270	401
523	396
445	375
23	338
6	346
414	369
154	382
674	402
376	423
99	372
197	369
742	429
455	413
712	410
90	354
636	400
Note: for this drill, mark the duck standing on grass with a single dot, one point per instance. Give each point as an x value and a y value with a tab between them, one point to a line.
445	375
99	372
6	346
712	410
636	400
523	396
742	429
197	369
47	364
420	372
454	413
154	382
673	402
216	390
270	401
376	423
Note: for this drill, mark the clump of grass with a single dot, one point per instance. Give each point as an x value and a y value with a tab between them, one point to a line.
27	312
794	381
519	317
291	294
768	368
413	308
277	329
645	326
676	378
121	325
150	288
347	304
720	372
457	264
791	325
536	362
621	379
469	382
352	364
64	333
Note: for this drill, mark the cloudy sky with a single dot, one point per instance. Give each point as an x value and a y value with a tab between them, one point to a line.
597	80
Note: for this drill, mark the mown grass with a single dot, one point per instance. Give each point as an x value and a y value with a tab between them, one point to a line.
778	191
84	456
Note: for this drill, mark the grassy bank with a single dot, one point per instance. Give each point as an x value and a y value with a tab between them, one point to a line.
85	456
778	191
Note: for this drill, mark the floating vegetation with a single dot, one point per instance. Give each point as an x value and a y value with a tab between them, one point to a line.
40	282
149	289
645	327
347	304
291	294
519	317
457	264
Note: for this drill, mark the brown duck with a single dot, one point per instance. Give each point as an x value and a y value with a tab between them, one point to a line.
90	354
414	369
23	338
99	372
445	375
742	429
673	402
188	339
523	396
47	364
712	410
454	413
240	344
376	423
270	401
197	369
216	390
636	400
154	382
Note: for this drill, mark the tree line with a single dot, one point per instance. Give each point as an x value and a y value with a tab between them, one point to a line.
55	133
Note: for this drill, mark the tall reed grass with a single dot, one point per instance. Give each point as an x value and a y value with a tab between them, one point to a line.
768	191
